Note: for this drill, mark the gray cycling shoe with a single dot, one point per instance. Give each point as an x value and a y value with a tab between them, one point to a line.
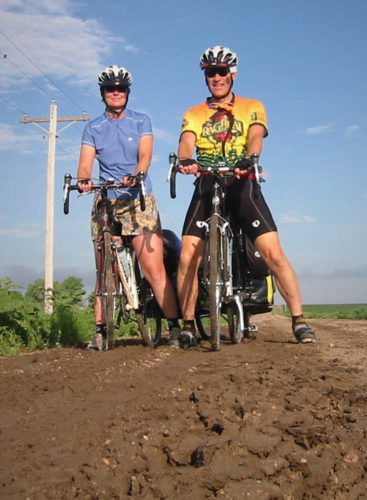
304	334
174	337
182	338
97	343
187	339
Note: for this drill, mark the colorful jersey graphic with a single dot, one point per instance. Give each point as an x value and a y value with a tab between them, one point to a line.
222	131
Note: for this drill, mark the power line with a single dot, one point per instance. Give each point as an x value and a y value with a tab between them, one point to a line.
14	105
39	69
5	56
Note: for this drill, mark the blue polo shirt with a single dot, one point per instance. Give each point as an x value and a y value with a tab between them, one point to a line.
116	143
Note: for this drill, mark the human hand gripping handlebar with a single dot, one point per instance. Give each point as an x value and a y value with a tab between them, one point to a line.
218	168
103	187
139	179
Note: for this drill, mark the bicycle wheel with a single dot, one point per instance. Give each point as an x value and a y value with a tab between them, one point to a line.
202	319
234	326
108	292
149	316
202	316
215	281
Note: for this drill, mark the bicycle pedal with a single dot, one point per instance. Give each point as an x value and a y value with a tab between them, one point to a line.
253	328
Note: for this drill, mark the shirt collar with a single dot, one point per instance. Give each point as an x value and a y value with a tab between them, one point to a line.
216	105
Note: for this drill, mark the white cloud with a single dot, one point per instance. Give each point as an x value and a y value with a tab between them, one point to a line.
164	136
44	35
11	139
20	233
295	218
352	130
318	129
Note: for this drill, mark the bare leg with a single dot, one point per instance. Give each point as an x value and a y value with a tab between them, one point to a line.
187	276
269	247
149	251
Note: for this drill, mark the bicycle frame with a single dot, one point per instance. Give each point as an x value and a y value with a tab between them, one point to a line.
222	247
217	261
119	284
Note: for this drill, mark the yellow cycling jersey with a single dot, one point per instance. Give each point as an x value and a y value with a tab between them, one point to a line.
222	129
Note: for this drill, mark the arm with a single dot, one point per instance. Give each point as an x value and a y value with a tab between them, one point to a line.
255	144
255	139
85	168
145	152
186	149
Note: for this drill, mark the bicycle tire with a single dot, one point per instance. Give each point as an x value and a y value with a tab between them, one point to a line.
234	327
149	316
202	319
215	281
108	292
150	324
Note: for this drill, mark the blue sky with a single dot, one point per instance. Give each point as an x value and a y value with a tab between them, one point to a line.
304	60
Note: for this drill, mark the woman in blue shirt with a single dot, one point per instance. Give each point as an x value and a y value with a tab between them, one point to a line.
122	142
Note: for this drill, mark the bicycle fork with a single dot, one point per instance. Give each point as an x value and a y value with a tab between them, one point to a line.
226	250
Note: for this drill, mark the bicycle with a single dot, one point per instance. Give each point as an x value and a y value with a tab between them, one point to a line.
125	295
232	288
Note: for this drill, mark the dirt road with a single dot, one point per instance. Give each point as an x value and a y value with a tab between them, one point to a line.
268	419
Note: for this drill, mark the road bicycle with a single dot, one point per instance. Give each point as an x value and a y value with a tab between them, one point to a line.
235	288
121	290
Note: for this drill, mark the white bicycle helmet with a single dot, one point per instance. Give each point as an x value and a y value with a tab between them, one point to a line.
219	56
114	75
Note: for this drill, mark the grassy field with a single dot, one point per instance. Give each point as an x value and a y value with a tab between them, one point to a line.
330	311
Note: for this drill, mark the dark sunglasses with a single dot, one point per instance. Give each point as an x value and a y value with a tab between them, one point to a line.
210	72
113	88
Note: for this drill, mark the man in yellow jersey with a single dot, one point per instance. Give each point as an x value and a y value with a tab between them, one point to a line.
231	128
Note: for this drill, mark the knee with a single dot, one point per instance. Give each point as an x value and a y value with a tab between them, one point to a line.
274	257
154	272
271	251
190	256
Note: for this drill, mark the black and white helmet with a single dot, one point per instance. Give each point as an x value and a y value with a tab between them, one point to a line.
114	75
219	56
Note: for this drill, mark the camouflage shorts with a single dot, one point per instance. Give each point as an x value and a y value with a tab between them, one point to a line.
128	217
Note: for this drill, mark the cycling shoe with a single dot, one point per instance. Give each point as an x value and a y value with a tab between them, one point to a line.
187	339
174	337
97	343
304	334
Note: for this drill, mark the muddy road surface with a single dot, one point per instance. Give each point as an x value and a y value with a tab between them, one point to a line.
267	419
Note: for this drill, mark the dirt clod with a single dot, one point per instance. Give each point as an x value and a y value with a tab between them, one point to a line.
267	419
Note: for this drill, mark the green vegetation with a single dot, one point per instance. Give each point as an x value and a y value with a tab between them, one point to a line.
330	311
24	326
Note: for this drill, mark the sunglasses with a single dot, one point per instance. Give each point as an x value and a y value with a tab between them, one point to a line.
114	88
210	72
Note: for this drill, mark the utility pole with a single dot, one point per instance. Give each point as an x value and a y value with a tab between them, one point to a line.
50	192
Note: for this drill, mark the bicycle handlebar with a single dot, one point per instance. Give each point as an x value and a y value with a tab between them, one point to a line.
220	168
103	187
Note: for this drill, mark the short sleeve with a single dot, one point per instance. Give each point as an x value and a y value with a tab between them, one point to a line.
258	115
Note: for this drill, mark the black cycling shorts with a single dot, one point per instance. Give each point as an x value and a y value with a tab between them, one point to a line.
249	212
